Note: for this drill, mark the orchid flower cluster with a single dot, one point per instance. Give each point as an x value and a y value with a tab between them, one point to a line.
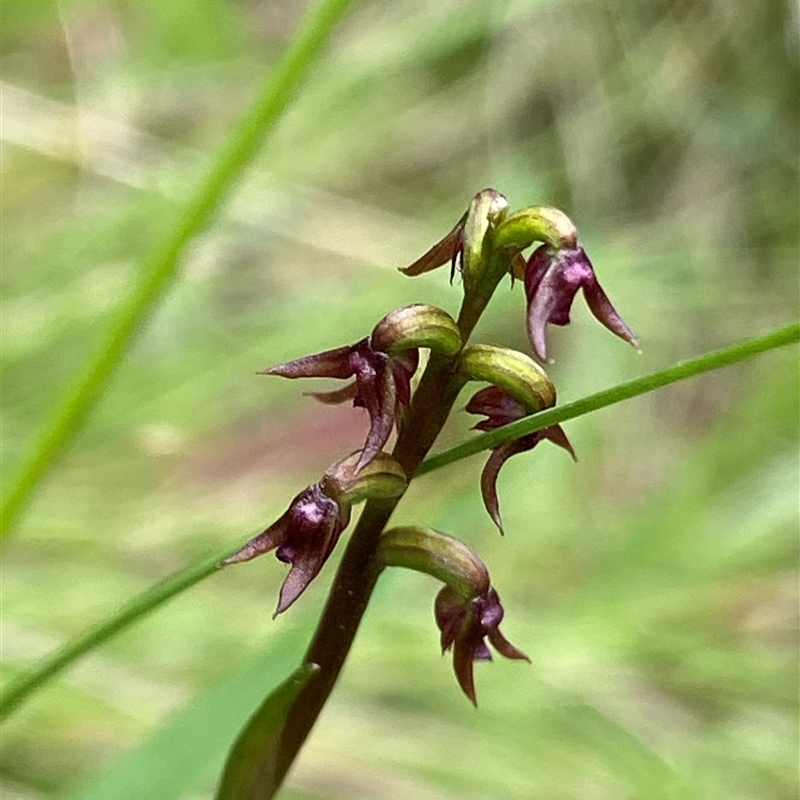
487	243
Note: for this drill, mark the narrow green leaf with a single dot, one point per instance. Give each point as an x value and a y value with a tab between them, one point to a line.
142	605
250	772
185	754
160	269
716	359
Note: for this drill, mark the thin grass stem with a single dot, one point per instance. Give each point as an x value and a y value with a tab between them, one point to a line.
160	269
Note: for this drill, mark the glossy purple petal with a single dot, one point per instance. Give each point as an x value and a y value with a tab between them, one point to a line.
342	395
552	279
498	405
501	454
465	625
268	540
304	537
604	312
404	365
380	399
491	469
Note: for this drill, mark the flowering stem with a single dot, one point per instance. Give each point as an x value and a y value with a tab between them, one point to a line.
21	689
359	569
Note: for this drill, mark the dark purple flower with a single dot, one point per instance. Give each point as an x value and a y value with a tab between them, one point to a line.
500	408
465	625
304	536
552	279
382	384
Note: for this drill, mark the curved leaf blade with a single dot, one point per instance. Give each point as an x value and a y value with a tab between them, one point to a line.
250	771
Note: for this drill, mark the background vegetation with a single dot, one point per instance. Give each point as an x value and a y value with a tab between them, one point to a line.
654	585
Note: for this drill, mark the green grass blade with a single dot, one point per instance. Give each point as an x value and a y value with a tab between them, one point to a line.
707	362
160	269
26	686
250	771
147	602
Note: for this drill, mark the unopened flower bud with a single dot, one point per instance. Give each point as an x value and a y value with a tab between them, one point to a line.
516	373
466	240
487	209
414	326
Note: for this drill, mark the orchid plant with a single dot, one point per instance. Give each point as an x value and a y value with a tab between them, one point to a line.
487	244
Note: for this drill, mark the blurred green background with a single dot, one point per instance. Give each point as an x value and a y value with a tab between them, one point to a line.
653	584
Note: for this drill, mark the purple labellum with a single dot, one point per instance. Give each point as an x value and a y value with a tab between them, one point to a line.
552	279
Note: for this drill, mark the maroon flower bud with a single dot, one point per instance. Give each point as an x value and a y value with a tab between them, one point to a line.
552	279
500	408
465	624
304	536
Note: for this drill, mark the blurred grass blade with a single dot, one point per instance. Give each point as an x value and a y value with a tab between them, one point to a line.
160	269
147	602
250	771
716	359
27	685
184	756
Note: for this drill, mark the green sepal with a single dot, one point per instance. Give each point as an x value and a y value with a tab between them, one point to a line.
380	478
536	224
435	554
510	370
418	325
487	209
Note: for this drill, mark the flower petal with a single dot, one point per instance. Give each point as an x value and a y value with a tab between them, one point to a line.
380	399
491	470
541	306
443	251
604	312
556	434
329	364
498	405
342	395
504	647
463	658
268	540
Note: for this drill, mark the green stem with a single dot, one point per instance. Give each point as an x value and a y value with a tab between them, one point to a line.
716	359
25	686
147	602
160	269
